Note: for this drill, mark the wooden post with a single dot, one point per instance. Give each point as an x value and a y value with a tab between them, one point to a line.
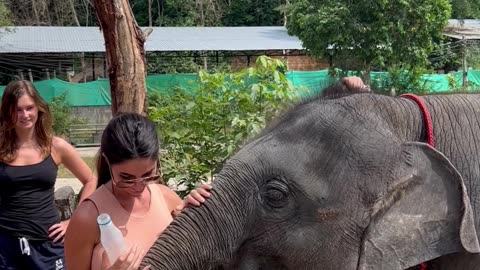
150	13
30	76
205	60
20	74
105	66
93	67
125	53
464	63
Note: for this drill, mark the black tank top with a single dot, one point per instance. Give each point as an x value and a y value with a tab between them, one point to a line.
27	201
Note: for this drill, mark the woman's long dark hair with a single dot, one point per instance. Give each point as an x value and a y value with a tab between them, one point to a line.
128	136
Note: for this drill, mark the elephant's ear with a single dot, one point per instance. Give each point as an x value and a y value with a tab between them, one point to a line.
426	213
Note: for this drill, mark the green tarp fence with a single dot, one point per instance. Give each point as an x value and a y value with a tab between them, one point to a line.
97	93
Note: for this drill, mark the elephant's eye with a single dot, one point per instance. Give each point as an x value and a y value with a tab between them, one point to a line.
275	194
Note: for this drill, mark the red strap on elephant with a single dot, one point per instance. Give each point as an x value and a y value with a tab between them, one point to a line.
429	127
426	116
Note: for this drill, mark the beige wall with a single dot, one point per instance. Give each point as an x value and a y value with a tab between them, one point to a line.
94	114
294	62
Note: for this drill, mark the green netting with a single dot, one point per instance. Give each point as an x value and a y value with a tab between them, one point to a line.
97	93
167	83
312	81
473	77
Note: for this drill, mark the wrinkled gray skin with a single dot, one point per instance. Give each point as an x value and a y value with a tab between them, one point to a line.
342	184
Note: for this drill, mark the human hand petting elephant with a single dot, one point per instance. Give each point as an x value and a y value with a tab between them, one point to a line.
346	86
196	197
342	183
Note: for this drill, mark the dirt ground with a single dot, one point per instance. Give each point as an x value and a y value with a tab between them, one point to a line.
73	182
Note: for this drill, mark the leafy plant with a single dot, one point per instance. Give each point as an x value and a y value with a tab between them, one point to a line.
252	13
5	16
162	64
62	116
401	81
455	86
202	128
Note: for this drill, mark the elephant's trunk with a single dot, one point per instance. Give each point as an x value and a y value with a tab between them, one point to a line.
207	236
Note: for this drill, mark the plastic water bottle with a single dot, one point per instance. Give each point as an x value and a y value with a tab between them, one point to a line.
111	238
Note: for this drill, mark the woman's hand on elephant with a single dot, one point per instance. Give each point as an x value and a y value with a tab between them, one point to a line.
196	198
354	82
129	260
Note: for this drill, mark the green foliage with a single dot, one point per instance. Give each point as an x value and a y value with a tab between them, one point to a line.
177	13
5	19
62	116
158	63
216	13
454	85
253	12
140	11
472	56
376	32
465	9
402	81
185	62
201	129
447	56
457	87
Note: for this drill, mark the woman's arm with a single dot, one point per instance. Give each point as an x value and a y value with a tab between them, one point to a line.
81	236
171	198
65	154
176	205
69	157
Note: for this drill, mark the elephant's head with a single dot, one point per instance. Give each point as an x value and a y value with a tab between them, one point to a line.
326	187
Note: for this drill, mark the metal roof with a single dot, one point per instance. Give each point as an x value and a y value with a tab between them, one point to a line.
54	39
458	29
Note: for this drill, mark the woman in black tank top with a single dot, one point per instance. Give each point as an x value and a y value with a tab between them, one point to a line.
31	233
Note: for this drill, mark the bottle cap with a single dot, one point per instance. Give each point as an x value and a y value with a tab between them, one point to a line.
103	219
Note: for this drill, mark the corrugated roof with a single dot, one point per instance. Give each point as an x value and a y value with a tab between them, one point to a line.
53	39
458	29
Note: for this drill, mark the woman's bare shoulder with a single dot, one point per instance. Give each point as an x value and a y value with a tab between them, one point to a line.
59	144
170	196
63	151
85	215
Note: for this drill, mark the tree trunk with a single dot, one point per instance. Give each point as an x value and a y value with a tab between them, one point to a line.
201	10
74	13
35	12
160	12
87	4
367	69
150	13
124	43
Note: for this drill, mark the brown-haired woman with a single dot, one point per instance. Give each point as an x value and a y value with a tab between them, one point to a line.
31	234
141	207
